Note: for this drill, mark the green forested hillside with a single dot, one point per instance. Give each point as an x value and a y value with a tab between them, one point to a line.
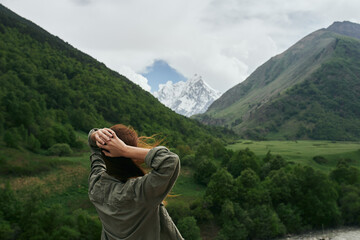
308	92
48	89
325	106
51	95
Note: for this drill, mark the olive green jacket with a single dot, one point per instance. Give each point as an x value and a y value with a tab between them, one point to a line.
134	209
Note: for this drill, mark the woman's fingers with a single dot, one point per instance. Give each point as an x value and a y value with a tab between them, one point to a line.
102	136
105	147
99	144
99	139
106	153
108	132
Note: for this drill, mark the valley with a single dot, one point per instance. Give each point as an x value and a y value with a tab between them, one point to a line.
278	154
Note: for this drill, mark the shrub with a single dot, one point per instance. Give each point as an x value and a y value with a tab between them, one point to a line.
33	144
220	188
266	223
188	228
233	230
320	159
12	138
60	149
188	160
290	217
204	170
242	160
178	210
200	210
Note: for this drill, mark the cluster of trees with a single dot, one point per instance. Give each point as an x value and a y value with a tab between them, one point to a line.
49	89
30	219
252	198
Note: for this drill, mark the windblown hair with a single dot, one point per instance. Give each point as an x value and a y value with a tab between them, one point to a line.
124	168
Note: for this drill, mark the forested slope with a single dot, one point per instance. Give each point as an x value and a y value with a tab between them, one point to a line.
325	106
311	91
48	89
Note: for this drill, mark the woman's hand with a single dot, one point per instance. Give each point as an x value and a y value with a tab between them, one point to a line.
103	135
114	147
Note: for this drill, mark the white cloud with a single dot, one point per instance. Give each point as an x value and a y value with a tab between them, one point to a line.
224	41
135	77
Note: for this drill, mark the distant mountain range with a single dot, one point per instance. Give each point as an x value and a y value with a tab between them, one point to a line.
187	98
310	91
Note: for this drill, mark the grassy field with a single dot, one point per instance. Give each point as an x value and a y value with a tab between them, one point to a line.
63	180
303	151
54	180
186	188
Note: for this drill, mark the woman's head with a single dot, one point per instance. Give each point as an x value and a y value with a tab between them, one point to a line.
120	167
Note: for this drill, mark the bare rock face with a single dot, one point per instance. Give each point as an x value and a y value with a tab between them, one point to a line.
346	28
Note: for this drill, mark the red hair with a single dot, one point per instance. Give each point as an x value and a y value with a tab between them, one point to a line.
124	168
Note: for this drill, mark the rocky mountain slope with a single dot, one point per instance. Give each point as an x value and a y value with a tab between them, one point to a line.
309	91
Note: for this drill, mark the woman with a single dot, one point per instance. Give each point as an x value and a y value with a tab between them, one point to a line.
129	202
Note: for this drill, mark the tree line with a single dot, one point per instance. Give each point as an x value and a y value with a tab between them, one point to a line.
253	198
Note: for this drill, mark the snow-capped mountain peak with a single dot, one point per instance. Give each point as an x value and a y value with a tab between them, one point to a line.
187	98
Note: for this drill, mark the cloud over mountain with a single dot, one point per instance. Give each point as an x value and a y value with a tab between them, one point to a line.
224	40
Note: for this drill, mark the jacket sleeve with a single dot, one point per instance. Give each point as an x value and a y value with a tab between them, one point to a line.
154	186
97	162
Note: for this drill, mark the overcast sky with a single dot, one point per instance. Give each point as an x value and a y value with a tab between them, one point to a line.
221	40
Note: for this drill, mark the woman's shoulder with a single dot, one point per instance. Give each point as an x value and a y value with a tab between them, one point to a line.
127	191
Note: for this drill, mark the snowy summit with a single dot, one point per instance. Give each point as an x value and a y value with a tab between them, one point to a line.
187	98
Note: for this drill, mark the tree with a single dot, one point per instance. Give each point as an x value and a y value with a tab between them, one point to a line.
33	143
272	163
204	150
188	160
250	191
188	228
12	138
344	174
290	217
350	205
220	188
235	221
315	196
178	210
183	150
281	186
200	210
242	160
233	230
203	171
266	223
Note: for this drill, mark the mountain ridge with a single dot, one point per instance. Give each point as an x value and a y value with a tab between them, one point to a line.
237	108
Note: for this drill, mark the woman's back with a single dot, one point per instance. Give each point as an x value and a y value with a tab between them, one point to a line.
133	210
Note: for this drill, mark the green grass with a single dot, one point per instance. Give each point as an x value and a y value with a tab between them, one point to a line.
186	188
54	179
64	179
303	151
